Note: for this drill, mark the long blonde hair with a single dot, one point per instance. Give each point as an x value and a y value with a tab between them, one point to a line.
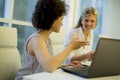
87	11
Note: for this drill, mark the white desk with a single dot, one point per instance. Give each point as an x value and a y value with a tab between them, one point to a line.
61	75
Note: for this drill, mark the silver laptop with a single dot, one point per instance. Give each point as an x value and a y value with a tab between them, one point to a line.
106	61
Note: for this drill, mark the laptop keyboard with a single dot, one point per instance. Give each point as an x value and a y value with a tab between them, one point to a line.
77	70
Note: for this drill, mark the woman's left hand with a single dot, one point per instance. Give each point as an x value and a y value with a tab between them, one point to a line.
73	63
90	55
76	63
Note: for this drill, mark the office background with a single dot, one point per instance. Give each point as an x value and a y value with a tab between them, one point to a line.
17	13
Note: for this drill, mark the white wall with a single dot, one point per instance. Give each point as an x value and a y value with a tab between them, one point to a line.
111	18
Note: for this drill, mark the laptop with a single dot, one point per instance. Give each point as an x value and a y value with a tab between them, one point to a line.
106	61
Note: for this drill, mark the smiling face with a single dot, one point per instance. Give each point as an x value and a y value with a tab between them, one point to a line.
89	22
57	24
88	19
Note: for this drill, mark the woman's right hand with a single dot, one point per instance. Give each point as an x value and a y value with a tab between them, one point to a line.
77	43
90	55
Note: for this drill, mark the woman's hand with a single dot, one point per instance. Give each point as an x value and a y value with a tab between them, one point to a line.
76	63
73	63
77	43
90	55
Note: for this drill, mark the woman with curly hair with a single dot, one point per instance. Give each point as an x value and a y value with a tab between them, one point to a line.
38	55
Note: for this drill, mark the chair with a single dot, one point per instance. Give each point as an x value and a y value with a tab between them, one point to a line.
57	41
9	56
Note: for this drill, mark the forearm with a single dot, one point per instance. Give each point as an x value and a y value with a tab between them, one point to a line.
55	61
79	58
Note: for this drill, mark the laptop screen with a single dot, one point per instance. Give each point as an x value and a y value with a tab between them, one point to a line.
106	61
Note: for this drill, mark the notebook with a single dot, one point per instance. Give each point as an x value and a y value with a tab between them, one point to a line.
106	61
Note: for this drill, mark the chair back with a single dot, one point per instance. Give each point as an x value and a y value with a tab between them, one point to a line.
9	55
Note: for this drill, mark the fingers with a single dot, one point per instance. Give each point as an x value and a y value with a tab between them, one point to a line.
77	44
73	63
77	63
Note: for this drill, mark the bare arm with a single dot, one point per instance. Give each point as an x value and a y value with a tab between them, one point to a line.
88	56
47	62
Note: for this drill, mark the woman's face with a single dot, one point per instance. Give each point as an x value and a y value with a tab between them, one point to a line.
89	22
57	24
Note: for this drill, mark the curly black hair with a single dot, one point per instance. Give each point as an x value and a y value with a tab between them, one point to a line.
46	12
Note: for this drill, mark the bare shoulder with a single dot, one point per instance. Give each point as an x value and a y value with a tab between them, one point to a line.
36	40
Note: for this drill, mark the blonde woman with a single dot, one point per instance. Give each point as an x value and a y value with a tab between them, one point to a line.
82	31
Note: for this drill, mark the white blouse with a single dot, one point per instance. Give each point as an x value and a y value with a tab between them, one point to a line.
77	33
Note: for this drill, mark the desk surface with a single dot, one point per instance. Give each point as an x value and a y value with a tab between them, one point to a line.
61	75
